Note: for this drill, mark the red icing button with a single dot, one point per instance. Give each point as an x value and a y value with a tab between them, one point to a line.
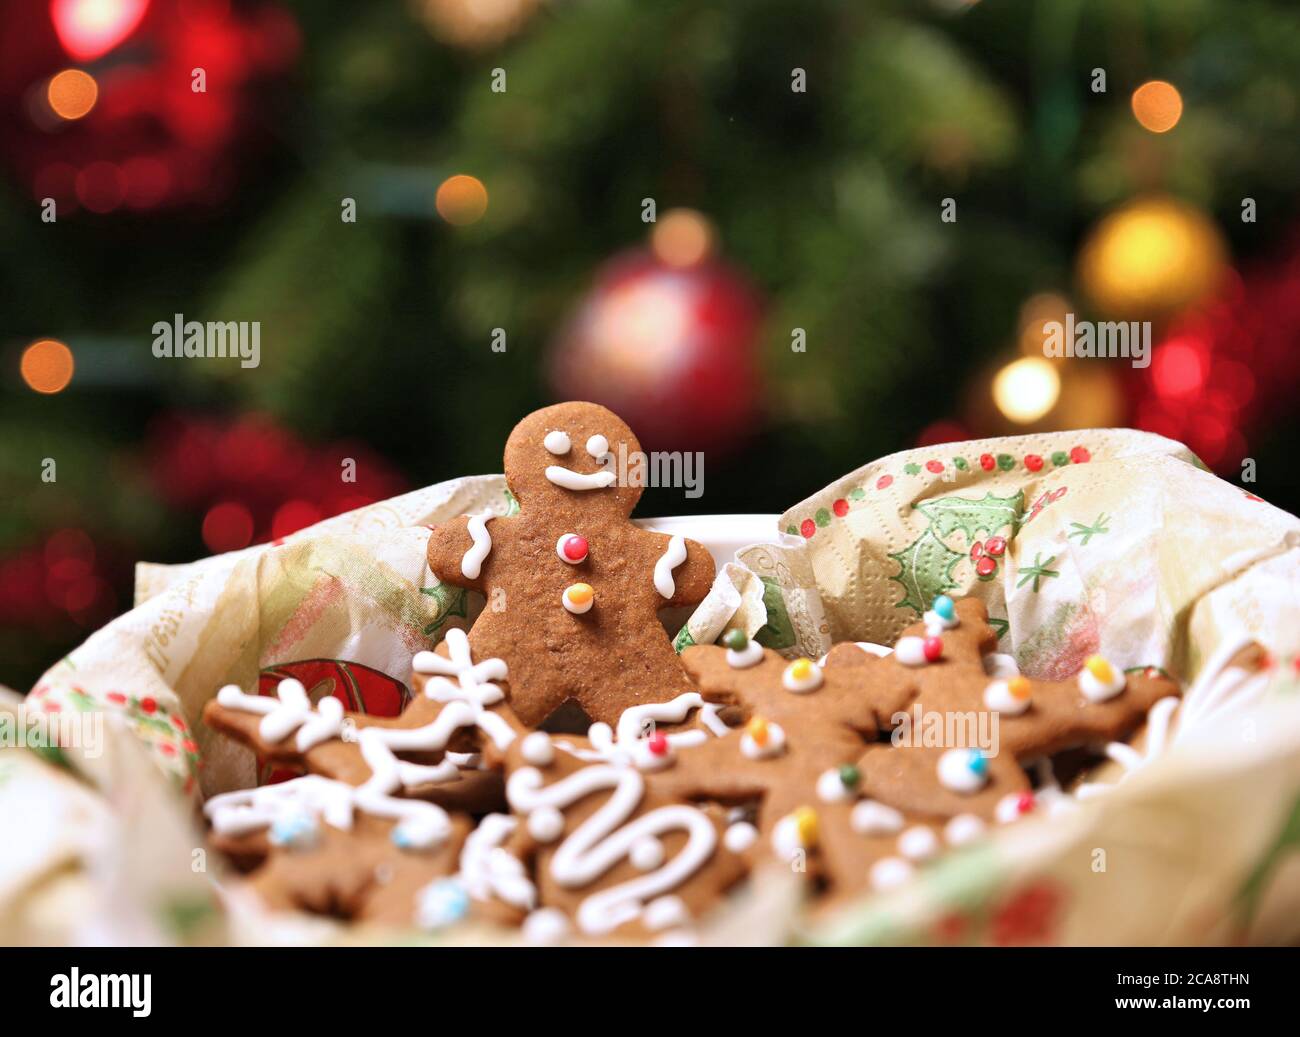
575	547
884	482
933	648
808	527
995	546
987	462
1033	462
934	466
986	566
840	507
658	743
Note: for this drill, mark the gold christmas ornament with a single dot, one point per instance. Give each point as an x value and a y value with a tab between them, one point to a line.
1151	258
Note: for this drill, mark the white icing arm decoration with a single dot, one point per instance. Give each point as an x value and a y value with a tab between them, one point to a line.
672	557
471	564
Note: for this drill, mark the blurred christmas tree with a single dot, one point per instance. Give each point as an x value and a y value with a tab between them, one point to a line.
873	208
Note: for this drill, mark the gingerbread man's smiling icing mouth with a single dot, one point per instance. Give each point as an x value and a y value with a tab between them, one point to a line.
557	442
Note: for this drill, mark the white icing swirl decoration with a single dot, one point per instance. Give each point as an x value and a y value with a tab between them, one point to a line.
489	871
291	710
636	743
609	835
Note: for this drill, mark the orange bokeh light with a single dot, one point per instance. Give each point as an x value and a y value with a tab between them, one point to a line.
47	366
461	200
1157	106
682	238
72	93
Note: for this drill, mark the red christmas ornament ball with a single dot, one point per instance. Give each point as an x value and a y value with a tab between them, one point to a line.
672	350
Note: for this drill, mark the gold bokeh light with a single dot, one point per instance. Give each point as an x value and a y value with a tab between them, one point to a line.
72	94
47	366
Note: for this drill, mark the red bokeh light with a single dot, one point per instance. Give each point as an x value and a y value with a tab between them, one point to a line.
227	526
1179	367
100	187
292	516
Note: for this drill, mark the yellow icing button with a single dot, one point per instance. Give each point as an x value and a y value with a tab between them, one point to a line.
1100	668
578	598
801	669
757	730
1019	687
805	823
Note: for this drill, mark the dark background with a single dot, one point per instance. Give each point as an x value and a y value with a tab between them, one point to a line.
823	205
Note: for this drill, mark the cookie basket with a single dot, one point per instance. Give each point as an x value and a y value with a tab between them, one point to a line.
1104	540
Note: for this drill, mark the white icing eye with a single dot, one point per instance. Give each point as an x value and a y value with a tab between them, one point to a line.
557	442
598	446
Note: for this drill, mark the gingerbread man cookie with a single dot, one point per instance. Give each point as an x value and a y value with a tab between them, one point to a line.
573	587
